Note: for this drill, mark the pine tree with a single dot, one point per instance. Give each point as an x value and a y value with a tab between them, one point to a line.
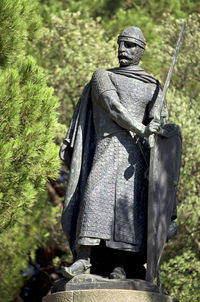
20	24
28	154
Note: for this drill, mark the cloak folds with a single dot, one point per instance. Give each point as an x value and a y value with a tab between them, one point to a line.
78	150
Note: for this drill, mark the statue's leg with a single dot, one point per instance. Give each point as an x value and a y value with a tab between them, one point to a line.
128	265
81	265
118	271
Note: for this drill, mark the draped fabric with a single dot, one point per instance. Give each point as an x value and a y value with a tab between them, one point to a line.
106	196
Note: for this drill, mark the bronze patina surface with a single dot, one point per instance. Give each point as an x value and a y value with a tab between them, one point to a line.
107	150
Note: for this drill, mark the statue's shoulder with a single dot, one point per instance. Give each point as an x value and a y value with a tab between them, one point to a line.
134	72
101	81
100	73
100	77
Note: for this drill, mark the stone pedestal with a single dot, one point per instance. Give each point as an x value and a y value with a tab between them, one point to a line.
94	288
107	295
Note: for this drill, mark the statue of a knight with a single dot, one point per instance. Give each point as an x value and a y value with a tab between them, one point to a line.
108	154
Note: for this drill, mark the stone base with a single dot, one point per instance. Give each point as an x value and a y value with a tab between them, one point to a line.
107	295
90	281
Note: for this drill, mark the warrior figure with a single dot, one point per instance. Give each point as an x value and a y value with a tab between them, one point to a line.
107	152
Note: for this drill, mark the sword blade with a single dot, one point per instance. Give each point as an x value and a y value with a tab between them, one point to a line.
167	82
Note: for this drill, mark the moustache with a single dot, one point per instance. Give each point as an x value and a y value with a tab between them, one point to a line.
124	56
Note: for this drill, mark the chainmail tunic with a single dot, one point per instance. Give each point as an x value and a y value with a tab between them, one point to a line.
114	205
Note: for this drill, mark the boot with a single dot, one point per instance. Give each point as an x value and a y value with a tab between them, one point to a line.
80	266
118	273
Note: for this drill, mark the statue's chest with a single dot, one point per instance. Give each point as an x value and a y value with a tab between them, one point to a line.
133	94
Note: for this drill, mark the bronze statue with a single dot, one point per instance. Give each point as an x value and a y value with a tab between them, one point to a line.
107	151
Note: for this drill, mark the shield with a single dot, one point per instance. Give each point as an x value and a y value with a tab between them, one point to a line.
165	160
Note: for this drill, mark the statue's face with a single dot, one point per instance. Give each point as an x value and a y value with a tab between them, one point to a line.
127	53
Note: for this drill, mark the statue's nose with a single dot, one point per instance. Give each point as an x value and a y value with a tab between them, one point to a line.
121	46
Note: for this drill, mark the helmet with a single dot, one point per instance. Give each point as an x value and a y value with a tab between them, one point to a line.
132	34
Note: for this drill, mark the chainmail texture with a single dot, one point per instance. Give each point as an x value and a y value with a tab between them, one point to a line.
114	203
138	55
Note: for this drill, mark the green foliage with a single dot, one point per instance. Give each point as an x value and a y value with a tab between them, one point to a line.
176	8
28	158
114	18
107	9
72	47
82	50
187	67
71	51
125	18
19	23
26	135
119	14
28	154
180	274
96	8
21	240
48	7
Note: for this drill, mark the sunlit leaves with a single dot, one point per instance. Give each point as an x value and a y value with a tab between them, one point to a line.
71	50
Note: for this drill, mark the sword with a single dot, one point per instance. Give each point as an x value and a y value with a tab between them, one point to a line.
156	223
167	82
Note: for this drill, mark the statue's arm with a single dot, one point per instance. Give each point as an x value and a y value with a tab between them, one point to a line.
107	97
117	112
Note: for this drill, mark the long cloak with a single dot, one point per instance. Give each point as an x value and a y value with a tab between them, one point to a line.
78	149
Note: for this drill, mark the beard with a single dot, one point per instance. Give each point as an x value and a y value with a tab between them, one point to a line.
125	60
